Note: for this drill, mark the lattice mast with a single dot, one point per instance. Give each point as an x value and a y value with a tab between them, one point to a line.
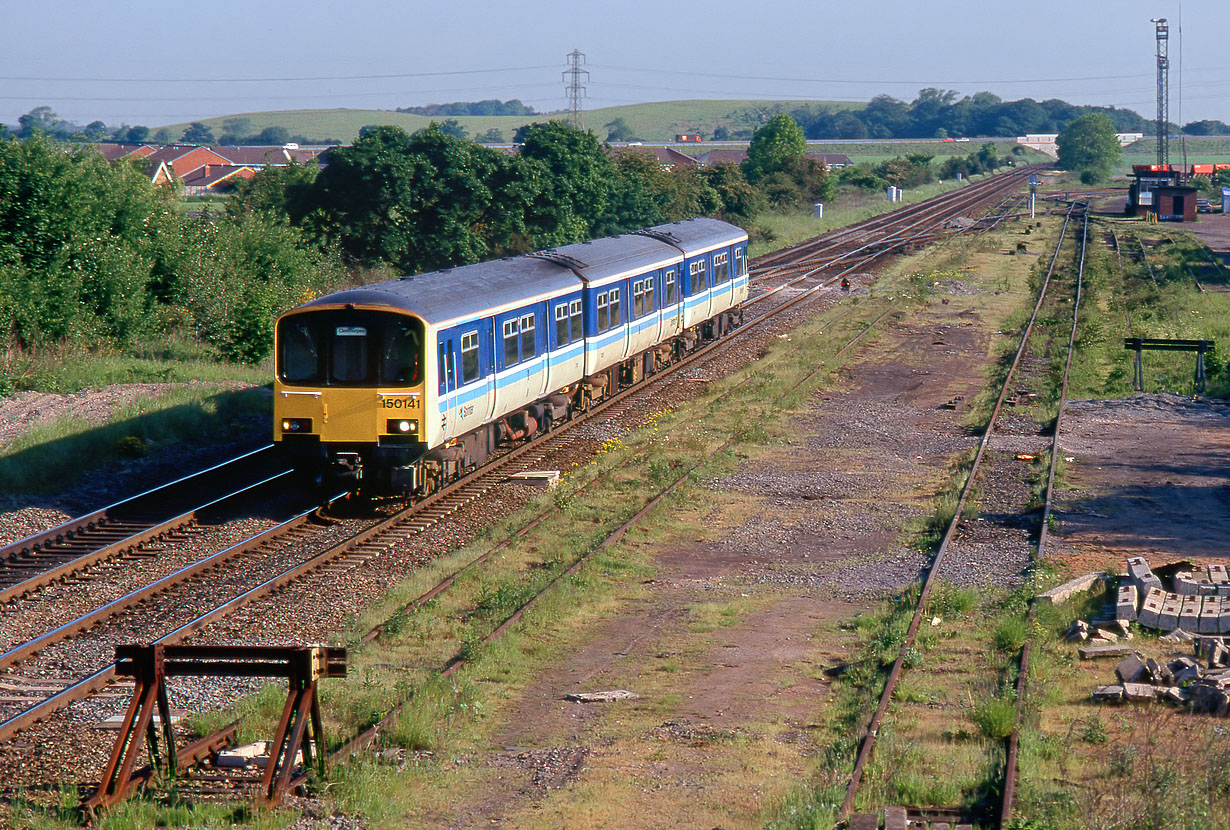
576	90
1163	91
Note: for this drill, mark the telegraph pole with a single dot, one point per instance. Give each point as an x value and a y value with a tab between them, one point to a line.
575	90
1163	91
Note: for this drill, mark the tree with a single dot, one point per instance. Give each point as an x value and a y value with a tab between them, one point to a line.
38	120
198	133
721	133
1088	145
96	131
492	136
273	135
618	130
773	146
578	182
450	127
134	135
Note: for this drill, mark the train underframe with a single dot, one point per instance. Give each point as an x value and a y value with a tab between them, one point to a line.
412	471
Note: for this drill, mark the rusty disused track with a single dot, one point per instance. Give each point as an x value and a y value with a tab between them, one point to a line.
424	514
1010	764
869	740
127	527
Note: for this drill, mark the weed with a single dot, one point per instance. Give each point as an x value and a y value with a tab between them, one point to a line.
995	716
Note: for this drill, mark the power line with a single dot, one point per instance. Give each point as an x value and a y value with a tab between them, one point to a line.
249	80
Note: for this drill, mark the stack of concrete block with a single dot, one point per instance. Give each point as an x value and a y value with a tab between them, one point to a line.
1182	681
1199	603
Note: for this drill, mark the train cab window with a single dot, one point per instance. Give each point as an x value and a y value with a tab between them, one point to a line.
574	315
668	288
527	337
349	359
300	358
469	356
400	355
511	353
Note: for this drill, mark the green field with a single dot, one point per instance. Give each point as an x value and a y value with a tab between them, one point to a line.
658	121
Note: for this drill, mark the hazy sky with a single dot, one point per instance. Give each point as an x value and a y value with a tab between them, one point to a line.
159	63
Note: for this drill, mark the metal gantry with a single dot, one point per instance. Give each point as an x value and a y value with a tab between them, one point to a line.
1163	91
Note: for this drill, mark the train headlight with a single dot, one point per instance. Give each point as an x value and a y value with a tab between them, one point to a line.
403	426
296	425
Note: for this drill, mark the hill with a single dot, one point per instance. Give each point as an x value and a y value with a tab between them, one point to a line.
657	121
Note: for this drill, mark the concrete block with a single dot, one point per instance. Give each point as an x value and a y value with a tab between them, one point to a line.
1185	584
1062	593
1106	633
1108	694
1177	636
243	756
1173	694
1210	615
1142	575
1098	652
894	818
1223	591
1078	630
1189	615
1218	575
1130	669
1125	604
1223	619
1168	618
864	821
536	478
1139	692
1207	589
1151	608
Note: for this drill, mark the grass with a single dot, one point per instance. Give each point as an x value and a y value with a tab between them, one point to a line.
655	121
52	455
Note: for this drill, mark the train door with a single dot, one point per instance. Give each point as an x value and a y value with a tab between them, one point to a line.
672	287
448	385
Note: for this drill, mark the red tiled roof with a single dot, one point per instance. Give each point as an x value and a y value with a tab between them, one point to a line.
115	152
211	174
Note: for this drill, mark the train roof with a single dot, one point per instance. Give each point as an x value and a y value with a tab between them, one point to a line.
456	294
467	291
694	236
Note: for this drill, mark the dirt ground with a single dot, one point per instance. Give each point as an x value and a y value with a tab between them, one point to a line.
797	542
1149	476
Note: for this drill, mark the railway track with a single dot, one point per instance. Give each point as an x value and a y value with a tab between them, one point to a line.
1003	442
364	543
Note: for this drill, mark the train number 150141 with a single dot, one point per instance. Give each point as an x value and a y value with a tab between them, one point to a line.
399	403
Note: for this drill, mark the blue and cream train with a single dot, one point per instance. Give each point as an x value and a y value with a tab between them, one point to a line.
400	386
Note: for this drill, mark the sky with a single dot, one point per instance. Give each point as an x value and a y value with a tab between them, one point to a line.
162	63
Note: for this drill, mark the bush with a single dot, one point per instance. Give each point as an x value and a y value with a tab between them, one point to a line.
995	716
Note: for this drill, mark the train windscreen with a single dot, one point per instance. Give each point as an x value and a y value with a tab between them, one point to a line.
350	348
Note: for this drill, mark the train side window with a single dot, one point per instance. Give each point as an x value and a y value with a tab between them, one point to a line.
702	277
638	299
668	285
527	337
469	357
721	272
561	325
604	313
649	298
511	355
740	262
574	310
614	306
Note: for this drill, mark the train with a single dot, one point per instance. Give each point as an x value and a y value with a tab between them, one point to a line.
398	387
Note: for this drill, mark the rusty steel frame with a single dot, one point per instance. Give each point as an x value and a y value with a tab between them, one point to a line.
300	730
894	675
